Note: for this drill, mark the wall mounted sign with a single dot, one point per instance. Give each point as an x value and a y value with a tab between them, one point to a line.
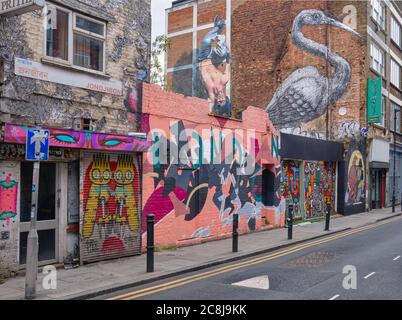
9	8
374	89
39	71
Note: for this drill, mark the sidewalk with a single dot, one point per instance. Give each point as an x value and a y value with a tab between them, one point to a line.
102	277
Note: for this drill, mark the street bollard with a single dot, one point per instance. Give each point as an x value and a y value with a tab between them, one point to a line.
150	242
235	238
327	217
290	222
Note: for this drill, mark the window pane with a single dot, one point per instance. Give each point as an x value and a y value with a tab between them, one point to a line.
88	52
89	25
57	35
47	245
46	193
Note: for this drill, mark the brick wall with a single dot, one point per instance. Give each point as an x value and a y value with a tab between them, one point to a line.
31	102
28	101
264	55
181	52
194	203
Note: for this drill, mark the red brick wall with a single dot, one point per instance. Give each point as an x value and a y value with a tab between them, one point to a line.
208	10
180	19
180	51
264	54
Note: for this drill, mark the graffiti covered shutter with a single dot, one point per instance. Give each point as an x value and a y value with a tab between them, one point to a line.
110	212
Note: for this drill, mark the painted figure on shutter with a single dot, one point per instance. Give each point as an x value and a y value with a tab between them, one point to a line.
8	198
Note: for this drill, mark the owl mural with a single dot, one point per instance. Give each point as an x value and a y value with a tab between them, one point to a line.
97	201
110	203
126	207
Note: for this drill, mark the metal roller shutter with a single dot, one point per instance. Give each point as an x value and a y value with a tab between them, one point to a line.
110	206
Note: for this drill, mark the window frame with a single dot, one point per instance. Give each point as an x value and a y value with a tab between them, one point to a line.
393	63
397	42
383	109
394	105
71	30
372	59
69	53
379	17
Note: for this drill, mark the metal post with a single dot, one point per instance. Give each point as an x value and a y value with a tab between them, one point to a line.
290	221
235	239
33	244
394	160
150	242
327	217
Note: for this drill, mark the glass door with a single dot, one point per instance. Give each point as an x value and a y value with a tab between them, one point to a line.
47	217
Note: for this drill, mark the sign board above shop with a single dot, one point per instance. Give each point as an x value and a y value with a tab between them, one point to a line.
10	8
39	71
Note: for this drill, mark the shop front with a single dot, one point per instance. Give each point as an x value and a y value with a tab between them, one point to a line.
309	174
379	158
89	197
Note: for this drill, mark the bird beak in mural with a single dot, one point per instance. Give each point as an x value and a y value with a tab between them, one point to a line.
341	25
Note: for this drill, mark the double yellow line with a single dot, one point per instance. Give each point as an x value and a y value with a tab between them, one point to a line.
277	254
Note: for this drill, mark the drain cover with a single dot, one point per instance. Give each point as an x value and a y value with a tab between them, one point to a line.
314	259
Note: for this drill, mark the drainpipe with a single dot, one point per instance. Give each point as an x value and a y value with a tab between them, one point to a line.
327	133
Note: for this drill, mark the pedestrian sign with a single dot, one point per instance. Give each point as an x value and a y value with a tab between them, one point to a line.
37	146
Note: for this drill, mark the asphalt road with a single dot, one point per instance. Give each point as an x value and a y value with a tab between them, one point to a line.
312	270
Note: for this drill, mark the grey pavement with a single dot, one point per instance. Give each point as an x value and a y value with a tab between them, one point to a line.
102	277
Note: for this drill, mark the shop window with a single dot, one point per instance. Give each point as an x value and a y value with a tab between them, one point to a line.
77	39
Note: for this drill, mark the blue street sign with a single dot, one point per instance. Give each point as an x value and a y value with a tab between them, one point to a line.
37	147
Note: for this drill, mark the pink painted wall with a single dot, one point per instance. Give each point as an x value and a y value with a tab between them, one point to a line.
172	193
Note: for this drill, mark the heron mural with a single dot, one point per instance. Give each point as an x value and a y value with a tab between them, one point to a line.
306	94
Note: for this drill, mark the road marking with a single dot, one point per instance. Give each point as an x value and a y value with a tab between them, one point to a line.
334	297
369	275
396	258
247	263
261	282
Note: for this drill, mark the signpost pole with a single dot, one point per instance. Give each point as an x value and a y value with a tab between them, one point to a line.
37	149
33	244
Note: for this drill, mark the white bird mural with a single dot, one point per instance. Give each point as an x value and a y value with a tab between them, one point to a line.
306	94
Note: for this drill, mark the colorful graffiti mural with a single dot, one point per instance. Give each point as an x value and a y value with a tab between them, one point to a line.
196	200
305	95
110	203
80	139
320	180
291	183
214	59
355	191
8	198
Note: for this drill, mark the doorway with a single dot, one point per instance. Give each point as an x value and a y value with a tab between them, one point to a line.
47	222
378	184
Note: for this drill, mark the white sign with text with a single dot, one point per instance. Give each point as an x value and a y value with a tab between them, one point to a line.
9	8
39	71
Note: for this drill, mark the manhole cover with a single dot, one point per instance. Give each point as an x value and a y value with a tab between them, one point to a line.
314	259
